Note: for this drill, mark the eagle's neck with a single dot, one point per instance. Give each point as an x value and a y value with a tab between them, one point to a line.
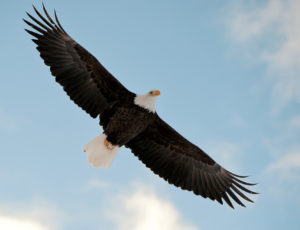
146	101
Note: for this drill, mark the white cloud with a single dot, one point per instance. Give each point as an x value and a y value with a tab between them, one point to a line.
247	25
142	209
287	167
39	215
274	29
11	223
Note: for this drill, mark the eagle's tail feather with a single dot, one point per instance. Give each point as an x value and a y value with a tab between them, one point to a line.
98	155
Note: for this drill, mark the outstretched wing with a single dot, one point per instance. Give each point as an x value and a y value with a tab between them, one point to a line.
83	78
184	165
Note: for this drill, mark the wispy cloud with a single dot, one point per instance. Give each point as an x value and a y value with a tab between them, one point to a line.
274	30
143	209
256	20
287	167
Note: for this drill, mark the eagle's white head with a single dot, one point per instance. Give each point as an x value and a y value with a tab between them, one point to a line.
147	101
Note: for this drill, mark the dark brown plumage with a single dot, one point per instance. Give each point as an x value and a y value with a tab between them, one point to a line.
83	78
154	142
183	164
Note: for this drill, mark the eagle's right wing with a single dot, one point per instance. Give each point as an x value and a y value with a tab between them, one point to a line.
83	78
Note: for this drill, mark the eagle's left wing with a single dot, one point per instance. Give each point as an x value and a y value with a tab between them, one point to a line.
184	165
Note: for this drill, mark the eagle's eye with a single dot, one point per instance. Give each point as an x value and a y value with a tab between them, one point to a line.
154	92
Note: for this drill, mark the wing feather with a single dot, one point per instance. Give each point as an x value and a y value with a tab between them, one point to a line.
83	78
184	165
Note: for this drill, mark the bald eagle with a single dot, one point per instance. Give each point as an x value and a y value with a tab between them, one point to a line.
129	119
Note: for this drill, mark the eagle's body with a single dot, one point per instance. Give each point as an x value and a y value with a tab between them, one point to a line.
129	120
126	122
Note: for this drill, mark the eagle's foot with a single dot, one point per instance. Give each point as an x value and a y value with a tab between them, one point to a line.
108	145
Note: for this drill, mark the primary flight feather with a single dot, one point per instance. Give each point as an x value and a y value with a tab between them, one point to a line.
129	119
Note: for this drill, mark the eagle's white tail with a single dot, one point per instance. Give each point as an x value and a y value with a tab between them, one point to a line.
97	153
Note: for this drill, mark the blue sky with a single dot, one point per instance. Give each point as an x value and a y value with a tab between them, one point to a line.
228	72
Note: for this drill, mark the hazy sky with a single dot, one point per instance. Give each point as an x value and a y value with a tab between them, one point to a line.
229	76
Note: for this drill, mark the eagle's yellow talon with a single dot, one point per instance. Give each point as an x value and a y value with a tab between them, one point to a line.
108	145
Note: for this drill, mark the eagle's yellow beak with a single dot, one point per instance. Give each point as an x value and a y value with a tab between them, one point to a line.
156	93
